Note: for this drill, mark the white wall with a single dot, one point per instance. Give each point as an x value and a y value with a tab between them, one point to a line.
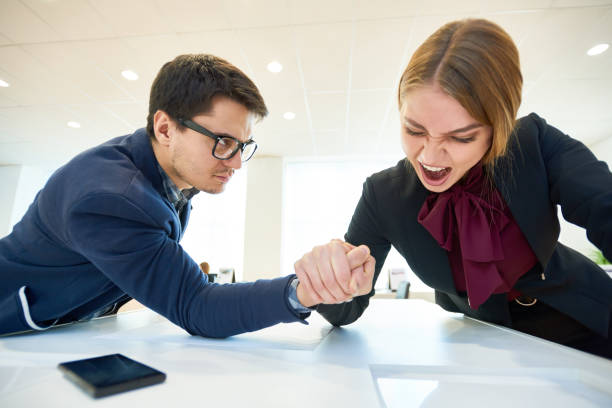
31	180
575	237
263	221
319	200
9	180
19	187
216	227
603	150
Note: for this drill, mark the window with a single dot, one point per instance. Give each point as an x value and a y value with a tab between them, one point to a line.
318	202
215	233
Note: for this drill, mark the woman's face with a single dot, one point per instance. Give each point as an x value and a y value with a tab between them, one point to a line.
440	138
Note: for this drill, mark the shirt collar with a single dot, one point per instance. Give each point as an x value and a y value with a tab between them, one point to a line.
177	197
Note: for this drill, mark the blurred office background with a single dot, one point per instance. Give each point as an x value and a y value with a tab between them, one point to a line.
75	73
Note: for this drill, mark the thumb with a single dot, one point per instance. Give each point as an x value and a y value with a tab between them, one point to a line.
358	256
345	245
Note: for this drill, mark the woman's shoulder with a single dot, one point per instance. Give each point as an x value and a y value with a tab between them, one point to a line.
533	131
397	181
529	135
531	124
394	174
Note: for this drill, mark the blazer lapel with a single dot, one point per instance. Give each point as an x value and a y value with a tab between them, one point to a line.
521	179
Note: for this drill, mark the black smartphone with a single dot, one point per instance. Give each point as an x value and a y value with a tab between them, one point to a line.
111	374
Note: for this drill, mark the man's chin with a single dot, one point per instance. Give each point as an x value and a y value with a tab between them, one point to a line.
213	190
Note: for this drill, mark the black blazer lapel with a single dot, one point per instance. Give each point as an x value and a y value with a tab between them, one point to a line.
521	178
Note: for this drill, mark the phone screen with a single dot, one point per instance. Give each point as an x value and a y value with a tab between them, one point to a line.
111	374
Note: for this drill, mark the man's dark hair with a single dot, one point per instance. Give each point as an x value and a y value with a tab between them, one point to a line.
185	87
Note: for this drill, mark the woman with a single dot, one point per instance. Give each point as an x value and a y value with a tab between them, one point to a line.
472	208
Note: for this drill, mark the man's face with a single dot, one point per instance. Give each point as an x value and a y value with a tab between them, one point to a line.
186	155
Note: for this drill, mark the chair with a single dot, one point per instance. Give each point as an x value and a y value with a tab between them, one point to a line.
205	267
403	290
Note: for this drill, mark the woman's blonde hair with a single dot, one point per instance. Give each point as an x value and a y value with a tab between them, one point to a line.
475	62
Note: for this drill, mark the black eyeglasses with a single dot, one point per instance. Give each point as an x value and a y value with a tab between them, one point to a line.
225	146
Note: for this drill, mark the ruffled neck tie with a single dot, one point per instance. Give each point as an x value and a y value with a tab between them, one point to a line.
471	216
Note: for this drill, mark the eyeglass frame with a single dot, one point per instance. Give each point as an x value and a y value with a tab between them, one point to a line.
202	130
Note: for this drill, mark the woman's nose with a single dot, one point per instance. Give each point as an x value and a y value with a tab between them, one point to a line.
433	151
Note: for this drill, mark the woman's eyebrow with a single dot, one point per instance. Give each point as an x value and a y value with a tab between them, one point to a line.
460	130
413	123
464	129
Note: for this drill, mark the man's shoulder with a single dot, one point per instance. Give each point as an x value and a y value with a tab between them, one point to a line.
123	166
111	166
119	150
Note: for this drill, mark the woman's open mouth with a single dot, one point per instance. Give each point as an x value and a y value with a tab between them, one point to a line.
434	176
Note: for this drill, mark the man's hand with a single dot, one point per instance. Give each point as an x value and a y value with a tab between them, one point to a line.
334	273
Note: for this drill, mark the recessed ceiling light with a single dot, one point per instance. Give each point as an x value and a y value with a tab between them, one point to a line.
4	84
598	49
129	75
289	115
73	124
275	67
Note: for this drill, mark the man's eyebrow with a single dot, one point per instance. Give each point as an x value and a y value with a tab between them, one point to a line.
460	130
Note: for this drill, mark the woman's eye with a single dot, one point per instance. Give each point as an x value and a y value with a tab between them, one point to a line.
463	139
413	132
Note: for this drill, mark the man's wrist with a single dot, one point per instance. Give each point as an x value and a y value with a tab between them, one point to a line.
294	301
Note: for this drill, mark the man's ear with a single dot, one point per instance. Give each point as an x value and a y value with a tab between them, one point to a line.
161	126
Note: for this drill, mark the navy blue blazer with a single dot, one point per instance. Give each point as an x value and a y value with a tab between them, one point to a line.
100	232
543	169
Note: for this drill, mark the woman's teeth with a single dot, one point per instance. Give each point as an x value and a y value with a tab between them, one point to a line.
431	168
435	175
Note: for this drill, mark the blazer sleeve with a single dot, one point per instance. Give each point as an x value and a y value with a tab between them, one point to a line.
129	246
580	183
364	229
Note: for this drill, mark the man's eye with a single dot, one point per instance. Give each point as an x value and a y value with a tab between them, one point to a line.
226	142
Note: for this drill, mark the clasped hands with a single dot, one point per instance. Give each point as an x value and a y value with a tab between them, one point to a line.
335	272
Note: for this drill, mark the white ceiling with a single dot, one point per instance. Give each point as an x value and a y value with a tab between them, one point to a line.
342	60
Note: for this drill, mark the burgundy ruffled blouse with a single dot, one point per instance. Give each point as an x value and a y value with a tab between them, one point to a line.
487	251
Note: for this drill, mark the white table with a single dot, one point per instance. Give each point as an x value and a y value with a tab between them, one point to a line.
400	353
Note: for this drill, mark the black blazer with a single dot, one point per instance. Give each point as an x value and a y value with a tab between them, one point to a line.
542	169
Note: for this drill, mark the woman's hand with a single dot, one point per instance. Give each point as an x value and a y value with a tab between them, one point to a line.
334	273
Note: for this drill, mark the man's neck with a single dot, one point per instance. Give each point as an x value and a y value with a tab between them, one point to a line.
164	161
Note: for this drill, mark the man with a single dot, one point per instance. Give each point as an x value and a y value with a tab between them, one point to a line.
106	227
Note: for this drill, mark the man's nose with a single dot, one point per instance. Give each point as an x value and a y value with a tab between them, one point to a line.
235	162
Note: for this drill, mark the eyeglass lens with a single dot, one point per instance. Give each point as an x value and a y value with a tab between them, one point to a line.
226	147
